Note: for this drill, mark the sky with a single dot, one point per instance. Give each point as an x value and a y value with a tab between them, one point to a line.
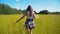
37	5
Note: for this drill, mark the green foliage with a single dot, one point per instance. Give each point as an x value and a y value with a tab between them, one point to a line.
44	12
5	9
55	13
47	12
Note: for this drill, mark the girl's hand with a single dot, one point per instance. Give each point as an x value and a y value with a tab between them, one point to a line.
20	18
17	21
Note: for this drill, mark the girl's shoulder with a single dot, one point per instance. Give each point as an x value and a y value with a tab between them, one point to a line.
33	12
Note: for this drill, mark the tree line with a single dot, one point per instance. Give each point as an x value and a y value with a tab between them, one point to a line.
47	12
5	9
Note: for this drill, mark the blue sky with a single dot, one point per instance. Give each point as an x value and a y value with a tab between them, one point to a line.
38	5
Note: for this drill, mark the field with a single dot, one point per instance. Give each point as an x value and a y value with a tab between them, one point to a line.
44	24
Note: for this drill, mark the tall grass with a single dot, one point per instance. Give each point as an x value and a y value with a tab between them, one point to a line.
44	24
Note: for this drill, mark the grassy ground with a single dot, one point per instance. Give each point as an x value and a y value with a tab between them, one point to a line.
44	24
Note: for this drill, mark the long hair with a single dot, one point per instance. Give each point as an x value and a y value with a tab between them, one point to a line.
30	9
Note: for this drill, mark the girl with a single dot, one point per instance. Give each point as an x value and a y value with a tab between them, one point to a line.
29	20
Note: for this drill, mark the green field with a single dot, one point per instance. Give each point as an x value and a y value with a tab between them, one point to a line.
45	24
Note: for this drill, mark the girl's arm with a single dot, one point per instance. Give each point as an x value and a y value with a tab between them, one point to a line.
34	15
20	18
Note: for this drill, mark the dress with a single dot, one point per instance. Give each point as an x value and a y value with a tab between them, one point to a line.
29	21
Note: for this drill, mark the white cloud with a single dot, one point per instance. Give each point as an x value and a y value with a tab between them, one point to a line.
17	6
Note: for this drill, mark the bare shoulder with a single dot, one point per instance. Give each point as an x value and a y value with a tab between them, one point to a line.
33	12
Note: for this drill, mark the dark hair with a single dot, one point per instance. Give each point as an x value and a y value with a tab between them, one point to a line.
29	8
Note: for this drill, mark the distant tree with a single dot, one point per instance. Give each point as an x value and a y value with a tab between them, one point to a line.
20	11
44	12
5	9
56	13
35	12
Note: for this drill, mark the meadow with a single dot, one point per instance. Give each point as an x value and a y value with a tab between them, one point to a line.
44	24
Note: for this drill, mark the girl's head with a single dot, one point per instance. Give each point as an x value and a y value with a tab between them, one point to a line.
29	8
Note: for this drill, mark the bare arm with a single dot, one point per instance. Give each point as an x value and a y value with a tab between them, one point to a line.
34	15
20	18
